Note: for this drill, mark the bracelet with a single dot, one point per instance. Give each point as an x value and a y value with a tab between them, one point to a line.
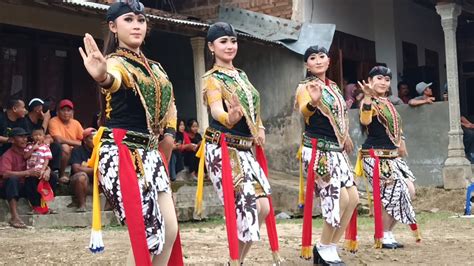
106	77
403	138
262	127
366	107
310	107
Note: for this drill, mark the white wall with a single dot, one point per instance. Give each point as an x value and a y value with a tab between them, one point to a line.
350	16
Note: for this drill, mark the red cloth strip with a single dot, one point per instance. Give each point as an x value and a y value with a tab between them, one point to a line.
377	197
308	206
131	201
176	258
270	220
351	231
229	202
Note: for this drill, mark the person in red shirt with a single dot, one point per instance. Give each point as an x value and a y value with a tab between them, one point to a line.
13	173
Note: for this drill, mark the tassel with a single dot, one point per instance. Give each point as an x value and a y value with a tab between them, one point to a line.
131	201
229	203
200	183
306	250
351	243
299	156
96	243
377	201
270	219
416	232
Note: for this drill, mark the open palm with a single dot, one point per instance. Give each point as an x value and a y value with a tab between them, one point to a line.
94	61
234	110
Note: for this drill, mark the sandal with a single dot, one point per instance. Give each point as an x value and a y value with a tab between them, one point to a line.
17	224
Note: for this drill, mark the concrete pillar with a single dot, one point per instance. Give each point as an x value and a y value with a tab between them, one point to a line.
457	169
198	44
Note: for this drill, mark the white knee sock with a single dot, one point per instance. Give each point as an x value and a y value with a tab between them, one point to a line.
325	251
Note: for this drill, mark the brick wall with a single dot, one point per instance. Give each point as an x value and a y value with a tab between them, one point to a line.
208	9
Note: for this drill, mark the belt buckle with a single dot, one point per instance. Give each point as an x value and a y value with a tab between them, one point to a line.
216	137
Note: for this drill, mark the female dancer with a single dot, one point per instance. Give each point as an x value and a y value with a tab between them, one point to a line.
325	143
235	128
139	102
389	174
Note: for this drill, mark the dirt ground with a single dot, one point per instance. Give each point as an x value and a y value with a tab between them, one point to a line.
446	241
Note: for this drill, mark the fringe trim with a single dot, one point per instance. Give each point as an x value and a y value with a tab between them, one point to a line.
378	243
277	260
351	245
97	244
306	252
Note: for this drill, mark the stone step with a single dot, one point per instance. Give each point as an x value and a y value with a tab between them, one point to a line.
67	219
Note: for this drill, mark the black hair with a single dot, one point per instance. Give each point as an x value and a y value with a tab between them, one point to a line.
37	128
190	123
12	103
380	70
401	83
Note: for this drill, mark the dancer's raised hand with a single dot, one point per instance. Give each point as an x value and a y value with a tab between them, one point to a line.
94	61
234	110
314	89
367	87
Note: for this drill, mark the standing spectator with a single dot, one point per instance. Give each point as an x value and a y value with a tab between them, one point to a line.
68	132
349	94
13	117
37	117
13	174
82	175
468	138
395	100
190	149
403	91
426	95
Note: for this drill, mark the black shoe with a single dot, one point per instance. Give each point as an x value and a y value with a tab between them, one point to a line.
389	246
398	245
318	260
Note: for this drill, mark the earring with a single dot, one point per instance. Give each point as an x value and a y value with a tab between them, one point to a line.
116	38
212	53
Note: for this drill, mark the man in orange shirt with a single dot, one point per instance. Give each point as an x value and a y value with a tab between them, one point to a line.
67	131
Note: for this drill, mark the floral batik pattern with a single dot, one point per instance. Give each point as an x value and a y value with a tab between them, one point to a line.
393	187
245	196
340	175
151	181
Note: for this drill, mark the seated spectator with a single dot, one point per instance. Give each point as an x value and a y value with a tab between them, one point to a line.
426	95
51	102
11	118
82	175
176	162
68	132
358	95
38	118
468	138
37	155
403	91
190	159
14	176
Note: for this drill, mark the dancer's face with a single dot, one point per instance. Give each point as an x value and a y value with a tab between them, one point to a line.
130	29
318	64
381	84
224	48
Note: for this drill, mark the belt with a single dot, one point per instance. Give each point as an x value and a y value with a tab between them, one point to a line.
323	145
241	143
132	139
382	153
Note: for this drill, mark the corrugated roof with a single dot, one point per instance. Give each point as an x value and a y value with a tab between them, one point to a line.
199	26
